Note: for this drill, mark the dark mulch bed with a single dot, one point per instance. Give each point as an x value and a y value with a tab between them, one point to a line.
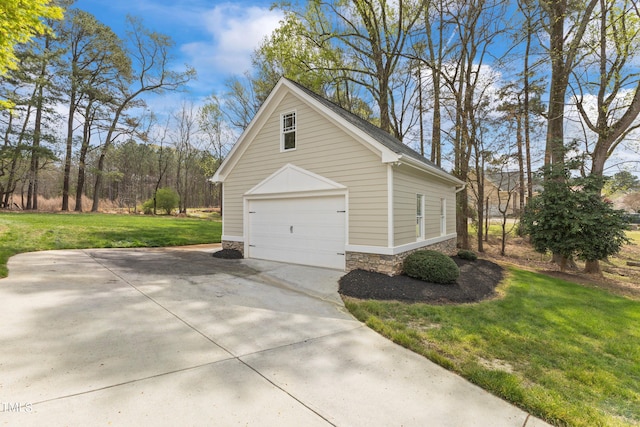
477	281
228	254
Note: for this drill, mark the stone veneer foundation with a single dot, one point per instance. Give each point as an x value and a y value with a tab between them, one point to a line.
230	244
392	264
386	264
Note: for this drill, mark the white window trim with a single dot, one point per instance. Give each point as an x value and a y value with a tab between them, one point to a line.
282	131
420	217
443	217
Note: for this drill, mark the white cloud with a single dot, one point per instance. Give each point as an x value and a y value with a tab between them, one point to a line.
216	38
235	32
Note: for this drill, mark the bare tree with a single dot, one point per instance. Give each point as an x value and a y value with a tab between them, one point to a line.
163	163
153	73
611	51
478	24
184	141
531	14
615	42
241	101
505	180
431	54
374	36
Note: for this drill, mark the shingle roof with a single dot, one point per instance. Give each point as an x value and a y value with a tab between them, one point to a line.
373	131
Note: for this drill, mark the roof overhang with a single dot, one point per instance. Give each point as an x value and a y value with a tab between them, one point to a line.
425	167
284	86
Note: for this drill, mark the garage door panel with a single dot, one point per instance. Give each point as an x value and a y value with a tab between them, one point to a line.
307	230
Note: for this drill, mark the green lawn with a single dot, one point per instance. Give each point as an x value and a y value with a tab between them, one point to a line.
565	353
27	232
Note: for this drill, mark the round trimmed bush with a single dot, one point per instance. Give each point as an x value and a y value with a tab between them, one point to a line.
431	266
467	254
166	200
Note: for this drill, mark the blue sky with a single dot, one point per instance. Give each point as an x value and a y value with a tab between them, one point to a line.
216	38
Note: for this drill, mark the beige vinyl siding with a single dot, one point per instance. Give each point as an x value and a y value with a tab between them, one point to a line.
408	182
321	148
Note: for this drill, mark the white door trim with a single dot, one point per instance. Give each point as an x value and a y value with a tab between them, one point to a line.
296	196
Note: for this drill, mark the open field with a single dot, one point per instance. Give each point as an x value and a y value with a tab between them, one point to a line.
26	232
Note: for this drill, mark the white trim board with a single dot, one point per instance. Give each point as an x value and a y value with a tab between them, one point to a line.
238	239
399	249
293	179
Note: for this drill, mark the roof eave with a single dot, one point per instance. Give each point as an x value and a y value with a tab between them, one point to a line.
430	169
230	160
216	179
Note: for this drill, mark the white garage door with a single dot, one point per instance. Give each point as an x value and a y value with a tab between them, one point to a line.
309	230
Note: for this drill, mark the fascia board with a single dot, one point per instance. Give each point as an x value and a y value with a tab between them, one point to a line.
276	95
430	169
386	155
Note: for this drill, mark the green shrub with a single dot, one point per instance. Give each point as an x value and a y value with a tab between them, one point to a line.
166	200
147	207
570	218
431	266
467	254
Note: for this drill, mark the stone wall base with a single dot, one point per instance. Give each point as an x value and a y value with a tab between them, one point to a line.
392	264
230	244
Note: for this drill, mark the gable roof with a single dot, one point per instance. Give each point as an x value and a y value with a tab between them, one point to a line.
389	147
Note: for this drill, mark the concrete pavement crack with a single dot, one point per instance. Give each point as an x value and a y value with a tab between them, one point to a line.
53	399
232	356
189	325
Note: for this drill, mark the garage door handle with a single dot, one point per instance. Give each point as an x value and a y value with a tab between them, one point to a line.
291	229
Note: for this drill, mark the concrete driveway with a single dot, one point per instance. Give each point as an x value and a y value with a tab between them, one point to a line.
169	337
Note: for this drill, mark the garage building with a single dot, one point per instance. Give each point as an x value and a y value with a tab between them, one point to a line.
310	183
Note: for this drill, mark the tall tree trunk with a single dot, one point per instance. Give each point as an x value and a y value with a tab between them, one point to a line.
420	110
436	143
12	181
554	151
563	60
7	145
436	67
69	143
519	138
86	139
593	267
383	106
97	189
480	199
562	64
11	184
34	166
461	172
486	220
527	112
